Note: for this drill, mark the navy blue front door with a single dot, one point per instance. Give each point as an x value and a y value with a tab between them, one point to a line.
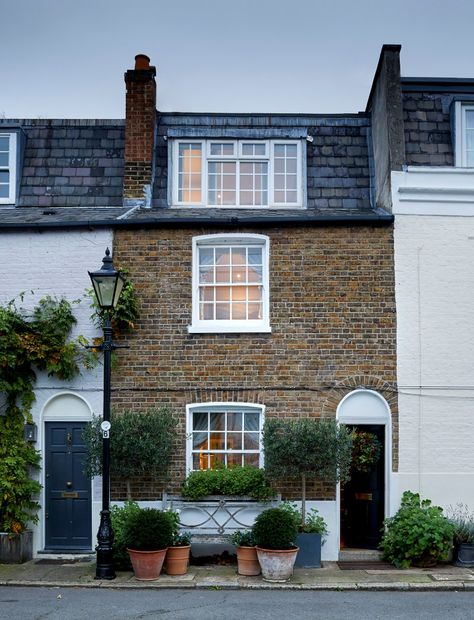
68	490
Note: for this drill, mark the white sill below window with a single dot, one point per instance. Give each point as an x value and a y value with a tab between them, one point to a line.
239	328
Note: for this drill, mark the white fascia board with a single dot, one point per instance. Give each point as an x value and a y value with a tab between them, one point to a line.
433	190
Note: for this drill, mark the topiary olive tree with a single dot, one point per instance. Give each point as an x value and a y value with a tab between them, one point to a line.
307	448
141	442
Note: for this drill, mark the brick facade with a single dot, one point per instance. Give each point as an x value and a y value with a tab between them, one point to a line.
332	312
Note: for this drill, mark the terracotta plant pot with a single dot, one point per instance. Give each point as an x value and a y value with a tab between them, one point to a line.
277	565
147	565
247	561
177	560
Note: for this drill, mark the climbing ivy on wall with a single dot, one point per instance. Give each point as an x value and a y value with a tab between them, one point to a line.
30	341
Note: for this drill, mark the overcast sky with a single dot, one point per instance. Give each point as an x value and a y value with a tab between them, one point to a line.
66	58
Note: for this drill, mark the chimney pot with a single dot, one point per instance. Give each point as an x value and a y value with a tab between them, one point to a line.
142	62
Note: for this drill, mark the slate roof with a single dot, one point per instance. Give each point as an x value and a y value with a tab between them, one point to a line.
338	159
71	163
73	171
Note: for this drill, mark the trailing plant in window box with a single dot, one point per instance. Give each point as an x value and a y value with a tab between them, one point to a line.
30	341
418	534
141	443
307	448
234	481
366	449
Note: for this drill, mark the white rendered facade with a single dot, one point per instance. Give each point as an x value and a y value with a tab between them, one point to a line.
56	264
434	275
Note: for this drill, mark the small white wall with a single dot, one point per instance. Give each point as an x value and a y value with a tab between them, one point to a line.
434	274
56	263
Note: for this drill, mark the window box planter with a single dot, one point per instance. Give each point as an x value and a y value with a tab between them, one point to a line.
16	548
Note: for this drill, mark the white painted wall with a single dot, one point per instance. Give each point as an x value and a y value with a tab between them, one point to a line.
56	263
434	274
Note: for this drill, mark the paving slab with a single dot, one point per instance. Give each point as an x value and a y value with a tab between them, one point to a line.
329	577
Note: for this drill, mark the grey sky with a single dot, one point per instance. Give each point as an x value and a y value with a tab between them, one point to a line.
66	58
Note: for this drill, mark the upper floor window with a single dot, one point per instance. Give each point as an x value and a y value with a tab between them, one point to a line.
464	135
237	173
230	283
8	150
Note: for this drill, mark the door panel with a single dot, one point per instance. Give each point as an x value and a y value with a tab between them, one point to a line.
67	489
363	500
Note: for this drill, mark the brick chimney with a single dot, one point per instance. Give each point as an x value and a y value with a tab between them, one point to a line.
140	116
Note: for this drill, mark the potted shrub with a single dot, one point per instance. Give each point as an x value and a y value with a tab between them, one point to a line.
419	534
310	537
308	448
247	559
177	556
147	535
274	532
462	520
119	515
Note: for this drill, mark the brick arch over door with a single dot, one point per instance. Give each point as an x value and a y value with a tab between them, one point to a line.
368	382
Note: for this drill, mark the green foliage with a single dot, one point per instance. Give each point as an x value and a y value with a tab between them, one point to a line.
148	529
462	519
119	516
313	523
29	341
241	481
307	448
241	538
180	539
127	311
141	442
417	534
275	528
366	450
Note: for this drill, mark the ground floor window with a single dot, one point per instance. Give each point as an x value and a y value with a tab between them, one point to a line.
224	435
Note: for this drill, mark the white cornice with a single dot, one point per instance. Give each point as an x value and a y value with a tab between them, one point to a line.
433	191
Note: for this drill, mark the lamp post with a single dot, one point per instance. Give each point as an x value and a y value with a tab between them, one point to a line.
108	284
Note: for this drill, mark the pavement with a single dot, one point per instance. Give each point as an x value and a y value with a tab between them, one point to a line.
216	577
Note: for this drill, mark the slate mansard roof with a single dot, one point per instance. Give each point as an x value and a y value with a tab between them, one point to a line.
73	169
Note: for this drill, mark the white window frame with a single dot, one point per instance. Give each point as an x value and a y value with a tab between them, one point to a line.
228	406
460	157
238	157
262	325
11	167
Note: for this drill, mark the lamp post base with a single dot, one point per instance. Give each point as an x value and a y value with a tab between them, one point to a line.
105	563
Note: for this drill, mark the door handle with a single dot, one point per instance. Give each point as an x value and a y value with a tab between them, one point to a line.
69	485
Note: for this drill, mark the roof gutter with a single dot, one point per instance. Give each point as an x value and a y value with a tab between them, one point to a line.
377	219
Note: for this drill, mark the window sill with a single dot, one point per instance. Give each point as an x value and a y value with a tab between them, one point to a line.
229	329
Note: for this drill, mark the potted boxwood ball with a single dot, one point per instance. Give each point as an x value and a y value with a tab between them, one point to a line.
148	533
275	532
247	560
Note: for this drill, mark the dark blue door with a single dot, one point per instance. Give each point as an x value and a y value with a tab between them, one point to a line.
68	490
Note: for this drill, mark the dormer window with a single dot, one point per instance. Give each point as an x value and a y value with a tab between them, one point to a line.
8	162
237	173
464	134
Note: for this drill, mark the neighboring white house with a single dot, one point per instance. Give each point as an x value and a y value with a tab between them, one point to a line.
56	263
434	274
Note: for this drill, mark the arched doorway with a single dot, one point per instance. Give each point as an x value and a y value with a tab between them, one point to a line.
67	490
363	500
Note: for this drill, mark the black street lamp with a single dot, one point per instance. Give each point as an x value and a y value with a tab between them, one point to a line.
108	284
